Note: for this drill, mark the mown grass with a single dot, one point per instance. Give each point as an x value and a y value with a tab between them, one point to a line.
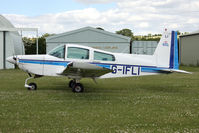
162	103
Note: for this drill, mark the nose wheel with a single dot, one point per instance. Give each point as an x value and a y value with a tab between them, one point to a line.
76	87
32	86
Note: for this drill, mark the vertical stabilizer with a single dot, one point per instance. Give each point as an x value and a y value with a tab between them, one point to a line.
166	53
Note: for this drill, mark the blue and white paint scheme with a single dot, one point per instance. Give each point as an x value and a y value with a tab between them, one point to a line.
76	62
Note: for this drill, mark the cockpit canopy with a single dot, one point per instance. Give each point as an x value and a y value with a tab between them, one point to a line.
58	52
80	53
77	53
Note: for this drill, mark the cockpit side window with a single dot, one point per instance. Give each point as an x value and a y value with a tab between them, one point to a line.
58	52
77	53
103	56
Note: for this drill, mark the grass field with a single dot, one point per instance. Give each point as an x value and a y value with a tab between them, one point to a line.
162	103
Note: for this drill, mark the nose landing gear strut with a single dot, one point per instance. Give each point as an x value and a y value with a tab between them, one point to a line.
31	86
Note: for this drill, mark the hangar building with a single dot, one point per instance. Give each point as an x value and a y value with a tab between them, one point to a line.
10	43
144	47
189	49
102	40
91	37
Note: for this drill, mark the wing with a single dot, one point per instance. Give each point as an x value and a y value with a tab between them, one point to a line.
84	69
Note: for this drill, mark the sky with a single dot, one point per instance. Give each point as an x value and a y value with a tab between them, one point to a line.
141	16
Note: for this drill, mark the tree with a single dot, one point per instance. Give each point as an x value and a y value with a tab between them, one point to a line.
30	44
178	32
149	35
125	32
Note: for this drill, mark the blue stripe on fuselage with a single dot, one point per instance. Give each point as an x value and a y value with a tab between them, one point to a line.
150	69
46	62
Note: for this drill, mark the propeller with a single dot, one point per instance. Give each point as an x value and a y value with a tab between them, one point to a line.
14	58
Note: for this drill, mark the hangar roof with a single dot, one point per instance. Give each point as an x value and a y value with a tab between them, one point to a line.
192	33
4	23
88	34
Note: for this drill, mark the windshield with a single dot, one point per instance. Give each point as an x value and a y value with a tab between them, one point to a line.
58	52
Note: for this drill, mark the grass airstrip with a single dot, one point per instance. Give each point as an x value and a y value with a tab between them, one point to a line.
161	103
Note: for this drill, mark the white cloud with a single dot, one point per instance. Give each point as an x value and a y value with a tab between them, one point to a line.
96	1
143	25
141	16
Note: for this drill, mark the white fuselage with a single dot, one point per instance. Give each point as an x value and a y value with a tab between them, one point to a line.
124	65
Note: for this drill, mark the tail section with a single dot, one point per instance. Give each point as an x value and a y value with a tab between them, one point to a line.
166	53
174	43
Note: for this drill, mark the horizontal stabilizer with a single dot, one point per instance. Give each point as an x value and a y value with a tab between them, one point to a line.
176	70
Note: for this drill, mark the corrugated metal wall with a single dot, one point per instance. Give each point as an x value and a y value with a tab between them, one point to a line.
111	47
91	37
13	46
144	47
1	50
189	50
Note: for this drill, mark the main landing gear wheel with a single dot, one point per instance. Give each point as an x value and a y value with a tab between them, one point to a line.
78	88
32	86
71	83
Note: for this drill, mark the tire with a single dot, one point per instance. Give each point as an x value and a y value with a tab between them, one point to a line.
78	88
71	83
33	86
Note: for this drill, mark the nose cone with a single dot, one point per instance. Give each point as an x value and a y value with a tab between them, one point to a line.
11	59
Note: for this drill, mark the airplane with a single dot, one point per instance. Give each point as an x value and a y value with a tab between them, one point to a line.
77	62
